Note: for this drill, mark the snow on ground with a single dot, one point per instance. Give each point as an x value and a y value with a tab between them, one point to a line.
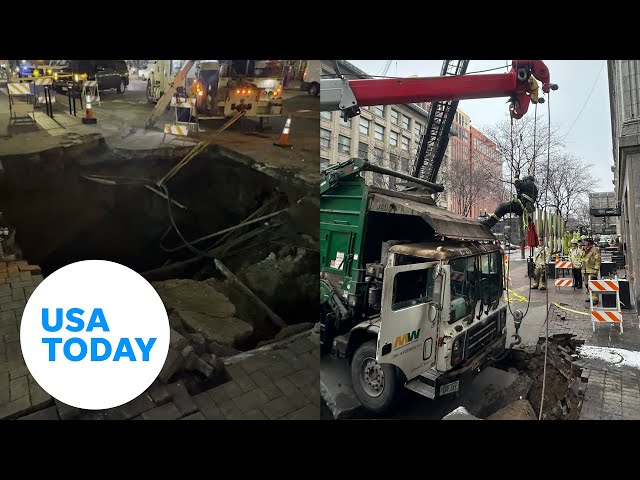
615	356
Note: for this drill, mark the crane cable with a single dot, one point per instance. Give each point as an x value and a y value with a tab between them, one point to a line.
546	321
535	122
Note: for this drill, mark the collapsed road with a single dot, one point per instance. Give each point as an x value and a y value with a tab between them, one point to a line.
231	247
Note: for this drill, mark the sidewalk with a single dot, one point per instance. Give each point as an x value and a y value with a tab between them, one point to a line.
610	361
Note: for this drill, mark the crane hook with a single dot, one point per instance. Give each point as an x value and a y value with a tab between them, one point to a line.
517	321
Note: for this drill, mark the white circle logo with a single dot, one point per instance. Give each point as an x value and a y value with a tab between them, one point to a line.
94	334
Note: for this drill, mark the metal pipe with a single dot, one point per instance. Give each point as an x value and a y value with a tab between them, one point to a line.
385	171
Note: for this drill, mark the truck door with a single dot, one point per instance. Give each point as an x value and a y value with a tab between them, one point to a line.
409	317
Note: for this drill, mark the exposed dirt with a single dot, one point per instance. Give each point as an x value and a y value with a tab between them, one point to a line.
561	400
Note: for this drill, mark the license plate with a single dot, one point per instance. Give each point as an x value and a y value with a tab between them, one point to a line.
450	387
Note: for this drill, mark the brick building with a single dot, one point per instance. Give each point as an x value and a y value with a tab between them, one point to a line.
390	136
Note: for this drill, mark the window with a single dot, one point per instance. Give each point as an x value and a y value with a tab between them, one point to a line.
324	163
378	132
404	165
463	282
411	288
363	150
325	138
393	165
417	129
364	126
393	139
326	115
394	117
378	154
346	124
379	110
405	144
344	144
405	122
491	277
378	180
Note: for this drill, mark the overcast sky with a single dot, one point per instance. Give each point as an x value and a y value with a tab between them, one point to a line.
587	123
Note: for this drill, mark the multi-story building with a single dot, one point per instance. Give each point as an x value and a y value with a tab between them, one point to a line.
390	136
387	135
471	170
624	100
603	225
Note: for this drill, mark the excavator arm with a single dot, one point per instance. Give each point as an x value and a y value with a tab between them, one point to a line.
349	95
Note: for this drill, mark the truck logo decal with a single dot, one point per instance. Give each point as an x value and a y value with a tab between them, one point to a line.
406	338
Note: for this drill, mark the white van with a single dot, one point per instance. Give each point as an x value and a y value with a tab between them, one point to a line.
311	78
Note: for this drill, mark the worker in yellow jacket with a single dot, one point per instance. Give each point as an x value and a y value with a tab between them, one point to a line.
590	265
575	256
541	256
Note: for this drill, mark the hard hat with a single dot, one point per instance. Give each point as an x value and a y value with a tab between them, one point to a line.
574	241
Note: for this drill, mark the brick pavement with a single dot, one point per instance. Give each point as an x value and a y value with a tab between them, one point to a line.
278	381
610	391
19	394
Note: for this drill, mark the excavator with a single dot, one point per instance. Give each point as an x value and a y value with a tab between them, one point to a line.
411	294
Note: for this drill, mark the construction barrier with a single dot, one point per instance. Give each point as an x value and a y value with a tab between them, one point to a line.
283	141
560	266
179	130
43	94
21	104
184	109
90	87
609	309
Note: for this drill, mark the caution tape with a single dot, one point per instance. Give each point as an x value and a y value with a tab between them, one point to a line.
516	295
569	309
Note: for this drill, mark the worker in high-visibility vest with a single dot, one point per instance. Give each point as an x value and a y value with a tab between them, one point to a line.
541	256
590	265
575	256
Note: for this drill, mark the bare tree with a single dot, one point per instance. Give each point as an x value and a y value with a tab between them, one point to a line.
468	181
566	185
522	144
581	212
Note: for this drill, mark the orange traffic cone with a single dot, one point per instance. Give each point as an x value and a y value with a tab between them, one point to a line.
284	136
88	118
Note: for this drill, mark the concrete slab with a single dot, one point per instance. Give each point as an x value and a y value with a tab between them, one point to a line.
460	413
336	388
518	410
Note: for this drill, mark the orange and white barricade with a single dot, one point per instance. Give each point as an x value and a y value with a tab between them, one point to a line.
40	91
182	104
561	281
612	313
90	87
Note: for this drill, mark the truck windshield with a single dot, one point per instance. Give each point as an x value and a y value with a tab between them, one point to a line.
465	289
463	295
411	288
491	277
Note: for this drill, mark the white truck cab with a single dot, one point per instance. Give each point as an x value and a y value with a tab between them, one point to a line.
311	78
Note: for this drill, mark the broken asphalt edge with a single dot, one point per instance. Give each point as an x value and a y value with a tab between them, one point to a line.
266	348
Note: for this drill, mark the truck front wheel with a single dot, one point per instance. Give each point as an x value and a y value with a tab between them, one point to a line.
375	384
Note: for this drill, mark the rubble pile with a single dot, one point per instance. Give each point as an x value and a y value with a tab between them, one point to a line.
563	387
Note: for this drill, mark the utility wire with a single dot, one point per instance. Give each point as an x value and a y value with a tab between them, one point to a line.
544	233
587	101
